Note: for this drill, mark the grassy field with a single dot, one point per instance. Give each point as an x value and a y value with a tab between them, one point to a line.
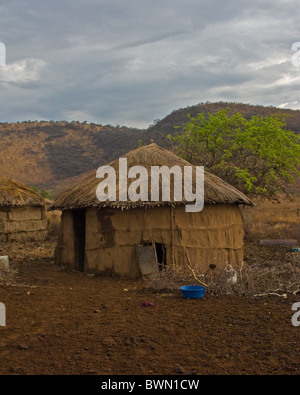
269	220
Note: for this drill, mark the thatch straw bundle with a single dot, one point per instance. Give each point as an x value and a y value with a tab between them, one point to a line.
83	195
14	194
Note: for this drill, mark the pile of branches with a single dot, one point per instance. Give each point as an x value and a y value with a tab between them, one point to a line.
169	280
282	279
256	280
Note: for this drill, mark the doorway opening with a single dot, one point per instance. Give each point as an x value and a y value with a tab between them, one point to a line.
79	223
161	256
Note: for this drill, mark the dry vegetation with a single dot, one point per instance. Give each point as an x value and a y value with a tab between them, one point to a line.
263	278
46	154
53	225
273	220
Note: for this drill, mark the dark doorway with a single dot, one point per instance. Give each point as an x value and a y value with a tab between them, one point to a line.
161	256
79	222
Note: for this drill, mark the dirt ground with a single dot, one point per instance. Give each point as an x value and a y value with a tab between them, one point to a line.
62	322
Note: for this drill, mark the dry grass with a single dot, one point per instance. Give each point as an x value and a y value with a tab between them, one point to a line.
272	220
7	276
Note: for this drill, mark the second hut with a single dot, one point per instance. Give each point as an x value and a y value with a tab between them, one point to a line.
22	213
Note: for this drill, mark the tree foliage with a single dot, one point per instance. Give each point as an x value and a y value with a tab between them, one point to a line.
257	156
45	194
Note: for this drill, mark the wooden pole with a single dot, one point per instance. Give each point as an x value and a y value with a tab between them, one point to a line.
190	263
172	235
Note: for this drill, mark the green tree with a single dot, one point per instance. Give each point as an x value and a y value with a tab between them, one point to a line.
45	194
258	156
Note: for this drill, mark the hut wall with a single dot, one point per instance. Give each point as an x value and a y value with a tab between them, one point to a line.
65	249
214	235
23	224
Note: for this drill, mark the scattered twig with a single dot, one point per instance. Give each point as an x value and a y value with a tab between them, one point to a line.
196	277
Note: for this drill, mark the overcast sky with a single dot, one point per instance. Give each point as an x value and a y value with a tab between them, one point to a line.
129	62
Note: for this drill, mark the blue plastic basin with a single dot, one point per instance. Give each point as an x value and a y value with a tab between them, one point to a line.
193	291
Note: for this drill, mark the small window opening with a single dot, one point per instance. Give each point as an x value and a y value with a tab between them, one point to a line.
147	243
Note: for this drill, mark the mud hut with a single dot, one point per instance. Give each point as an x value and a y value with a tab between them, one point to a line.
22	212
103	237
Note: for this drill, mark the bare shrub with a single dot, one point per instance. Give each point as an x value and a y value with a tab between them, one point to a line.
258	279
54	218
168	280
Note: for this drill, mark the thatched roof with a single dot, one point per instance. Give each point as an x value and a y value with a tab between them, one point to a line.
14	194
83	195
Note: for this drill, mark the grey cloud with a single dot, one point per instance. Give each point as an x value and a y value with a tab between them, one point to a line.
132	62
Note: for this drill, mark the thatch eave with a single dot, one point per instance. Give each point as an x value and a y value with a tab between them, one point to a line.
146	205
15	194
83	195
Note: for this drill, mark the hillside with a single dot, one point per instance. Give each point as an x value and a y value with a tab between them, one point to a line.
45	154
179	117
52	155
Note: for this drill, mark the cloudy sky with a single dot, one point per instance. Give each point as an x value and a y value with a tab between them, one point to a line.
129	62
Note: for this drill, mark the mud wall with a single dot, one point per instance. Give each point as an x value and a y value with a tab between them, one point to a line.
23	224
65	252
213	236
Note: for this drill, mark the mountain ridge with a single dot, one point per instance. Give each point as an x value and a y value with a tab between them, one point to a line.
53	155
